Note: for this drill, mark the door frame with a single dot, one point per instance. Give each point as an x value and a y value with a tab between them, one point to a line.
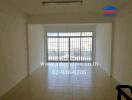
93	47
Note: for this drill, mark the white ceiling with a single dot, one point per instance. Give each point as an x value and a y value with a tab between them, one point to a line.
34	7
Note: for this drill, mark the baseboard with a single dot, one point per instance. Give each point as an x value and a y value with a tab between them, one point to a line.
12	87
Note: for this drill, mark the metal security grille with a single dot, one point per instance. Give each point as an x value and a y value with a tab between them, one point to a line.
70	47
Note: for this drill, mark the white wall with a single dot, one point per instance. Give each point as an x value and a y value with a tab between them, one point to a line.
36	45
68	18
13	60
103	46
122	63
69	27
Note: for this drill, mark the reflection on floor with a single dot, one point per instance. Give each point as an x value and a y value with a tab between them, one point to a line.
65	81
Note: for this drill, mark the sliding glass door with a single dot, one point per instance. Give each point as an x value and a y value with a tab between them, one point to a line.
86	49
63	49
70	47
53	49
75	49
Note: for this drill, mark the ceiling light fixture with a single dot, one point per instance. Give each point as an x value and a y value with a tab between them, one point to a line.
61	2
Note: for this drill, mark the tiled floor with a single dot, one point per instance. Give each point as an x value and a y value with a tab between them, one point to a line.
64	81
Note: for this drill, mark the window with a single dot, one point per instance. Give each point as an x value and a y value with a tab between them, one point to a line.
70	46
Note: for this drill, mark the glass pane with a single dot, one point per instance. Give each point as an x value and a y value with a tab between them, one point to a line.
86	49
86	33
52	34
52	49
63	49
69	34
75	49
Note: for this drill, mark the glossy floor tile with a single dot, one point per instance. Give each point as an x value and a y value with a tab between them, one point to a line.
65	81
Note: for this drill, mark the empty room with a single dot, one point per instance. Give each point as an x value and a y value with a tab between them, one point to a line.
65	50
